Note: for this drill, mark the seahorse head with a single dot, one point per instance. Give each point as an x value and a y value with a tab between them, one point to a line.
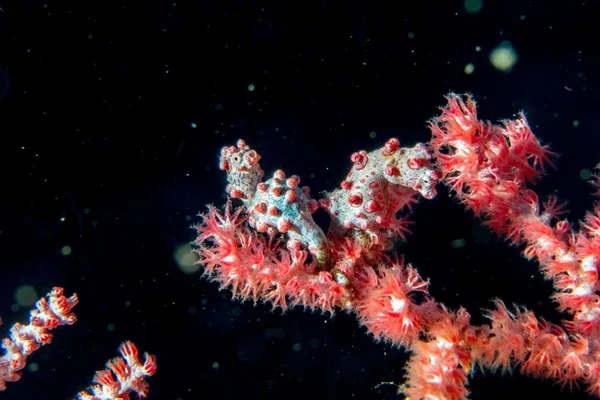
243	170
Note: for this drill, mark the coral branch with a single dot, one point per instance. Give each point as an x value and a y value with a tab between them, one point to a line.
501	161
490	168
25	339
122	376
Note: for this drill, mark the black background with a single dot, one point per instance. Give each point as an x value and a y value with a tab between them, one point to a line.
114	119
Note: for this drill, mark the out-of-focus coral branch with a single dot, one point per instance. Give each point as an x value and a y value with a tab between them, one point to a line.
123	375
25	339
